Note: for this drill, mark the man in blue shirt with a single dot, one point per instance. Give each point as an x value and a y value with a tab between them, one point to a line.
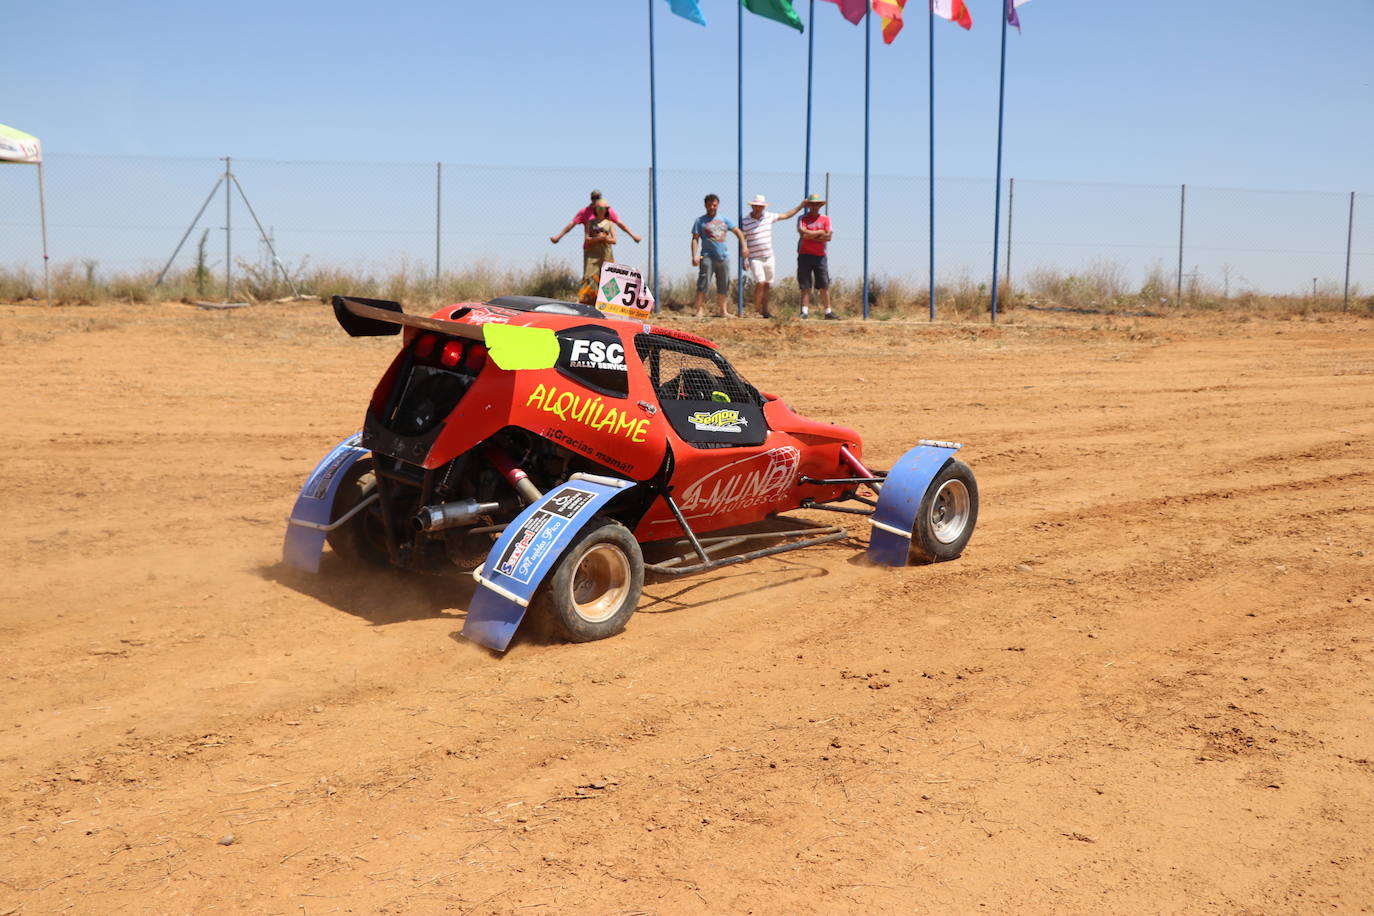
709	231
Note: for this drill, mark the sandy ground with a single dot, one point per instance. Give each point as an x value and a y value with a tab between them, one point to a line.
1145	687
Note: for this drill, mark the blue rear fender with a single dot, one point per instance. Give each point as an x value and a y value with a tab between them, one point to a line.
309	523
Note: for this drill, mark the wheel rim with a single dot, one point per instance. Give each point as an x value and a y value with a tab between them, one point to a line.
601	582
949	511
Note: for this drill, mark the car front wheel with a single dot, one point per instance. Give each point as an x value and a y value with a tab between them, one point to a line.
949	510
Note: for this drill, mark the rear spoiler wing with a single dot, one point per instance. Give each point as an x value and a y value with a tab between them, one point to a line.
510	346
382	318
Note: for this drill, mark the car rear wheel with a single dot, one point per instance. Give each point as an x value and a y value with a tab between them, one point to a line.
362	539
949	511
596	586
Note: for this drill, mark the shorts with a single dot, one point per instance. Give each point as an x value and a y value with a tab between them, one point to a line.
812	267
722	271
761	269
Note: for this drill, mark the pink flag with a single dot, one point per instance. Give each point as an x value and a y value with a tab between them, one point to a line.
853	10
954	11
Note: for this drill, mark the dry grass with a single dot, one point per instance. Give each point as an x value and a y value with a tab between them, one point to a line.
1101	286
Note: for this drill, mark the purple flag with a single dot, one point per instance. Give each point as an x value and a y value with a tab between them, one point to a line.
853	10
1012	18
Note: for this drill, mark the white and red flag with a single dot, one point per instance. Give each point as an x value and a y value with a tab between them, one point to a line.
957	11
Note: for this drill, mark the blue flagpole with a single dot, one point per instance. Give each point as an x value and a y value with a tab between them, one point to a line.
868	45
810	56
739	174
653	155
997	195
930	37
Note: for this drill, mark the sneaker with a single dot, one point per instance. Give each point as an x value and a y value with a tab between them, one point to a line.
831	316
805	313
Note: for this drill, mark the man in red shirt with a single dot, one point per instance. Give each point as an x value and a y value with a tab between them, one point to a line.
812	270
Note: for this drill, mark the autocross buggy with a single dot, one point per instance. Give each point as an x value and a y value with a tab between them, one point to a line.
537	444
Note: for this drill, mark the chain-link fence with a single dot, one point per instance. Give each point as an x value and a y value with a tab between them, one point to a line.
112	215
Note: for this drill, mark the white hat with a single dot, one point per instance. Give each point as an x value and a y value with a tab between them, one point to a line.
758	201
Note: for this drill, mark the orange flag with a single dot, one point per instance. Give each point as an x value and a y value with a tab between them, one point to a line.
891	12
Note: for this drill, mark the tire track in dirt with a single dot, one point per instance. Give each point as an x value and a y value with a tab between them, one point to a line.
802	734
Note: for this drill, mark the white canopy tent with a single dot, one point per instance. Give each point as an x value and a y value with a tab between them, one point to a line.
20	148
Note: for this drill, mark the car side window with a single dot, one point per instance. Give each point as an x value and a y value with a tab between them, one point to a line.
703	398
684	371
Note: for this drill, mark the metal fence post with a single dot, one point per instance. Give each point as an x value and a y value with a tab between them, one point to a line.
228	236
739	173
1349	238
1011	204
1182	205
438	218
649	206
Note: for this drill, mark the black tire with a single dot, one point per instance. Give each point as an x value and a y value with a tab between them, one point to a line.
362	539
596	586
949	510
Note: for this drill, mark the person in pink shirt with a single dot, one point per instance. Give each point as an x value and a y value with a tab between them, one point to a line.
586	216
812	269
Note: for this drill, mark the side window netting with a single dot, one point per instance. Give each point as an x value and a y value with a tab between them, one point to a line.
684	371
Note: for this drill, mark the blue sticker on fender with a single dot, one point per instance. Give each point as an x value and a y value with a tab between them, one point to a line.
900	501
537	535
526	552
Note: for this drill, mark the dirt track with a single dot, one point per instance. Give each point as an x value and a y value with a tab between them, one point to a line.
1144	688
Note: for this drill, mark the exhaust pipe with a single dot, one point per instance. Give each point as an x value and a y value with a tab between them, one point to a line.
453	515
514	475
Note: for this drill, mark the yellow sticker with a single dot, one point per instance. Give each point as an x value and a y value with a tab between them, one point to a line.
516	347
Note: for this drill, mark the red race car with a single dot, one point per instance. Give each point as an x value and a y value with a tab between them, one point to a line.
537	444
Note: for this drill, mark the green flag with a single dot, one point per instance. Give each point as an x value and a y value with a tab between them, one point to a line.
778	10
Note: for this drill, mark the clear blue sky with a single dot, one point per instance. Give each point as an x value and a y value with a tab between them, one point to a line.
547	99
1248	93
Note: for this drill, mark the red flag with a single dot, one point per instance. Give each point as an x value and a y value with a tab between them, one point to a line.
853	10
891	11
953	10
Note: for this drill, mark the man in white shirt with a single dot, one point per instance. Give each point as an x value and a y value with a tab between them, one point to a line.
758	235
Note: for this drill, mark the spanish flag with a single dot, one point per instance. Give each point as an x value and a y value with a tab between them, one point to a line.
891	11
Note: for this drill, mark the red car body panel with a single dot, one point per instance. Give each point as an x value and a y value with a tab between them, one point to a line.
715	487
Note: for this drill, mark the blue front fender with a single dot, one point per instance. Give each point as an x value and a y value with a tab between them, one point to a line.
900	501
308	526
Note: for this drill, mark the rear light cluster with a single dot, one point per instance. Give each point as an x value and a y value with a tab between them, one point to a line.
469	356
